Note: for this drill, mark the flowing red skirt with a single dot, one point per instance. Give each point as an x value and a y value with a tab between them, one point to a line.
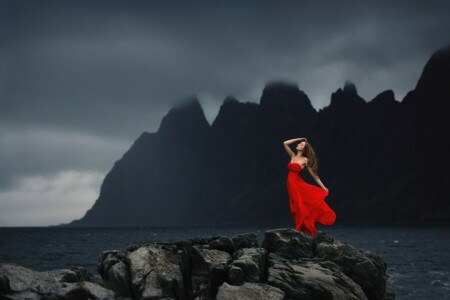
307	202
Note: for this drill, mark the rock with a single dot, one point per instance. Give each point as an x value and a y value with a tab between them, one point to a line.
252	261
29	284
390	293
113	267
93	291
235	275
75	274
303	279
249	291
223	244
156	272
202	240
203	260
4	285
245	240
217	275
288	243
364	267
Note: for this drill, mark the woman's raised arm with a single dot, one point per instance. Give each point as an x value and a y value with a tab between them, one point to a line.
288	149
287	142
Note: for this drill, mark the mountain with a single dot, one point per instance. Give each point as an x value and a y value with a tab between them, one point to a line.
162	176
384	161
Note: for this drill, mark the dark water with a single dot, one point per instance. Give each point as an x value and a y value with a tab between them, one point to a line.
418	258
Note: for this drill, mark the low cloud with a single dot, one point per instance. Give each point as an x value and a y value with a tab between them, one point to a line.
47	200
29	152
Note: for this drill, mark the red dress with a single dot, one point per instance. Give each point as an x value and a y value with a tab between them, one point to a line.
307	202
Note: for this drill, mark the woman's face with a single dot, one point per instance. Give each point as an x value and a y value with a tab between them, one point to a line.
301	145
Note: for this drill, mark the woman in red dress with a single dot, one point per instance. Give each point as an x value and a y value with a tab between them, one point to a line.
307	201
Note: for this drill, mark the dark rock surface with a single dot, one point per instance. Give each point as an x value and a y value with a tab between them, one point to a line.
18	282
287	265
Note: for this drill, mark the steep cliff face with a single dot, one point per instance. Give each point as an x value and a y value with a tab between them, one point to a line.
384	161
422	192
163	178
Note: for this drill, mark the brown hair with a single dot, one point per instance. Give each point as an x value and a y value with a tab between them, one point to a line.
313	160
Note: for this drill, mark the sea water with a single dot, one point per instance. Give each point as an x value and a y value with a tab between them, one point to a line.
418	258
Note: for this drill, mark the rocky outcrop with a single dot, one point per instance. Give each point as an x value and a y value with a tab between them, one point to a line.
17	282
287	265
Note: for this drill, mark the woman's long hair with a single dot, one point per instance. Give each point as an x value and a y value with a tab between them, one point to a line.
313	160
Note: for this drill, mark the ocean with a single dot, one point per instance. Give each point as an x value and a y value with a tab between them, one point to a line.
418	258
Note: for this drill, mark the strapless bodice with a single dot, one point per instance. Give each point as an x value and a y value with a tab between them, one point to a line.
296	167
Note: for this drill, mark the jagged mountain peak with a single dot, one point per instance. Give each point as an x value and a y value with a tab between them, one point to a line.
232	111
346	96
387	95
280	84
185	115
278	93
230	100
230	104
190	103
384	100
435	76
350	88
279	88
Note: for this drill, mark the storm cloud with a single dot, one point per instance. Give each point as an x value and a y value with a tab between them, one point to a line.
81	80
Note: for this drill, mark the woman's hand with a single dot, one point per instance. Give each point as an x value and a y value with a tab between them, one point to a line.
326	190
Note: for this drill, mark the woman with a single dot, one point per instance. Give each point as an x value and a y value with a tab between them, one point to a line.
307	201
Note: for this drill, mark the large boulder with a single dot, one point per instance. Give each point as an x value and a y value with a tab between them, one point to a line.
288	243
307	279
155	272
152	271
113	267
245	240
252	261
223	244
205	263
364	267
22	283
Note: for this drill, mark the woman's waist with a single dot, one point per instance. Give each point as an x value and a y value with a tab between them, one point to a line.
294	176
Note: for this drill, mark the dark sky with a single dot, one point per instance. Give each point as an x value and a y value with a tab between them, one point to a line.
81	80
